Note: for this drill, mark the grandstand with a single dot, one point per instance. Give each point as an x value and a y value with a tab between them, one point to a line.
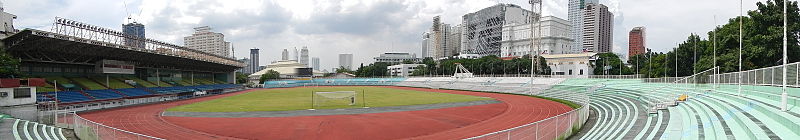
88	68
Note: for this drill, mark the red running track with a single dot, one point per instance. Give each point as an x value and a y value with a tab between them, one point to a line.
446	123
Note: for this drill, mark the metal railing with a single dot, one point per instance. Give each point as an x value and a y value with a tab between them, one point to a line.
770	76
83	32
616	76
658	99
89	130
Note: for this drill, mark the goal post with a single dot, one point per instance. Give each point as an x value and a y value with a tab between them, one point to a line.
336	99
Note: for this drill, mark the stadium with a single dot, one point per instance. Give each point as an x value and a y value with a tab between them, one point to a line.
85	82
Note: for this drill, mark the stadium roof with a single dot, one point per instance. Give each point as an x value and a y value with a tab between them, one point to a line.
42	46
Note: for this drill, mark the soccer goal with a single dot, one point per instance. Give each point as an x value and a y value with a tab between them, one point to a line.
335	99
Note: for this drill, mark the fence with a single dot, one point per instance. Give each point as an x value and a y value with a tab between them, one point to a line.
89	130
616	76
770	76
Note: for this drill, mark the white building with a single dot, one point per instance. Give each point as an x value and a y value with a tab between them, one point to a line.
555	38
206	41
396	57
575	17
304	56
8	23
597	28
482	30
577	65
402	69
315	63
346	61
286	68
427	45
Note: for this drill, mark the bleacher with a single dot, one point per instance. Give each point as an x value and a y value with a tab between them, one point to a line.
103	94
720	114
94	89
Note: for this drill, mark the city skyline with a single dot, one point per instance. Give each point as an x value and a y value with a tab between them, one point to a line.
170	21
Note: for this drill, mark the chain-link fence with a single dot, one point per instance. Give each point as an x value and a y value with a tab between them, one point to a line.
770	76
89	130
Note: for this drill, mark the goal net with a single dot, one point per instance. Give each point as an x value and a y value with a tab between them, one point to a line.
334	99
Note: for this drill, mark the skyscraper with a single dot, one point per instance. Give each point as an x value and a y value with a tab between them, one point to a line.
285	54
346	61
426	40
575	17
597	28
315	63
482	30
206	41
636	41
134	33
246	69
304	56
253	60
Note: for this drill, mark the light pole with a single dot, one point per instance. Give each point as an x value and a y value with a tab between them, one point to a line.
784	95
739	74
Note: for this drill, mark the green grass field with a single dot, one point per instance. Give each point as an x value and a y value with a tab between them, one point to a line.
300	99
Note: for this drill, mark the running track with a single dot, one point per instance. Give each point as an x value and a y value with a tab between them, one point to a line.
446	123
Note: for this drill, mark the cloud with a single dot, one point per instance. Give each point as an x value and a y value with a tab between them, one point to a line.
365	28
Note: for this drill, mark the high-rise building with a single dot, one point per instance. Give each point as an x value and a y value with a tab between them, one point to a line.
315	63
453	41
254	60
134	33
482	30
555	38
575	17
346	61
636	41
426	45
285	54
597	28
7	20
246	69
304	56
206	41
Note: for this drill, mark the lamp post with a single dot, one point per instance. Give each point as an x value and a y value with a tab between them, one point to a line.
784	95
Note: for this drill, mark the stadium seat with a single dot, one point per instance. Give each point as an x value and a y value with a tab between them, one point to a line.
67	96
103	94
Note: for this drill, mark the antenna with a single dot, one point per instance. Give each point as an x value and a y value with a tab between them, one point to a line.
125	4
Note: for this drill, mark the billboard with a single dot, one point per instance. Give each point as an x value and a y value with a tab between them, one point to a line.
115	67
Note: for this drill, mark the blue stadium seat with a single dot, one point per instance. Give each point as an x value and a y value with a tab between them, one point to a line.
68	96
133	92
103	94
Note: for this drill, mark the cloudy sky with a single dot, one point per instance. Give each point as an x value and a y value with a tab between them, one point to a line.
364	28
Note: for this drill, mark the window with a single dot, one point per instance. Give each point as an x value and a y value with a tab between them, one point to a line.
570	72
581	72
22	93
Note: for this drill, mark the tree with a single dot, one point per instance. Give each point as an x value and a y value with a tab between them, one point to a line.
342	69
241	78
269	75
611	61
9	65
373	70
